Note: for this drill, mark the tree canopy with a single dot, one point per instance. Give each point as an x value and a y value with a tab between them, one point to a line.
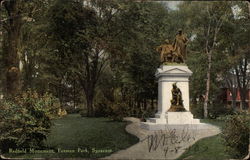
97	54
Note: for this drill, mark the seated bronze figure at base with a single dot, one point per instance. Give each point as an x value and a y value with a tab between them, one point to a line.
176	102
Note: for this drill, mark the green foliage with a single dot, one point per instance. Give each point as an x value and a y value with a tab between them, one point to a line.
26	120
119	111
90	53
71	109
81	43
197	110
197	63
215	110
113	107
199	20
133	57
102	110
98	133
236	134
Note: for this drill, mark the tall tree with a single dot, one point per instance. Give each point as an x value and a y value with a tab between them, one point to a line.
205	38
237	49
214	26
81	32
243	78
145	26
14	15
11	44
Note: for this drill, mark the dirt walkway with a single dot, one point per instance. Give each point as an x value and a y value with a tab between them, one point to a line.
168	144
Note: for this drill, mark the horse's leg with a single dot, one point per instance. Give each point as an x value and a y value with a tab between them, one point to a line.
173	57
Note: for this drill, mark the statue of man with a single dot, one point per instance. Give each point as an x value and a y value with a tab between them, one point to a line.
180	44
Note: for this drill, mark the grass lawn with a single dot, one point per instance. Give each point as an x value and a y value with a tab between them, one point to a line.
213	122
96	137
210	148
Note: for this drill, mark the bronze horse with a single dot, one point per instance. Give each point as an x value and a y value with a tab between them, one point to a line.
169	54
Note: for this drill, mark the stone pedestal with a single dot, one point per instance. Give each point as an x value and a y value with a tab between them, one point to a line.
167	75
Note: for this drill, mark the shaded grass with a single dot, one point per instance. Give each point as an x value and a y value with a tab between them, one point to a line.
210	148
215	122
73	132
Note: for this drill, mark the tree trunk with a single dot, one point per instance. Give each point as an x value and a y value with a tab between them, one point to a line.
233	89
89	93
145	104
209	49
209	56
249	8
234	96
13	27
243	97
244	89
90	99
242	80
152	104
74	94
90	108
207	85
93	69
138	106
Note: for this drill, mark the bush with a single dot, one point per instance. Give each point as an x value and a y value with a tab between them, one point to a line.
119	110
71	109
114	110
216	110
83	112
236	134
26	120
103	110
149	113
197	110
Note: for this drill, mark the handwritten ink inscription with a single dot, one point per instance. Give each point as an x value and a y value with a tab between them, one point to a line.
171	140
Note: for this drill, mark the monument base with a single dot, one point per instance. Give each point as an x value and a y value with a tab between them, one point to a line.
171	118
177	108
173	99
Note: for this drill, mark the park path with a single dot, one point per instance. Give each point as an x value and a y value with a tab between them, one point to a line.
162	144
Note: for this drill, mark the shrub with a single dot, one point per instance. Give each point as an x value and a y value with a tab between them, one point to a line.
26	120
83	112
197	110
71	109
118	111
114	110
148	113
103	110
112	106
215	110
236	134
